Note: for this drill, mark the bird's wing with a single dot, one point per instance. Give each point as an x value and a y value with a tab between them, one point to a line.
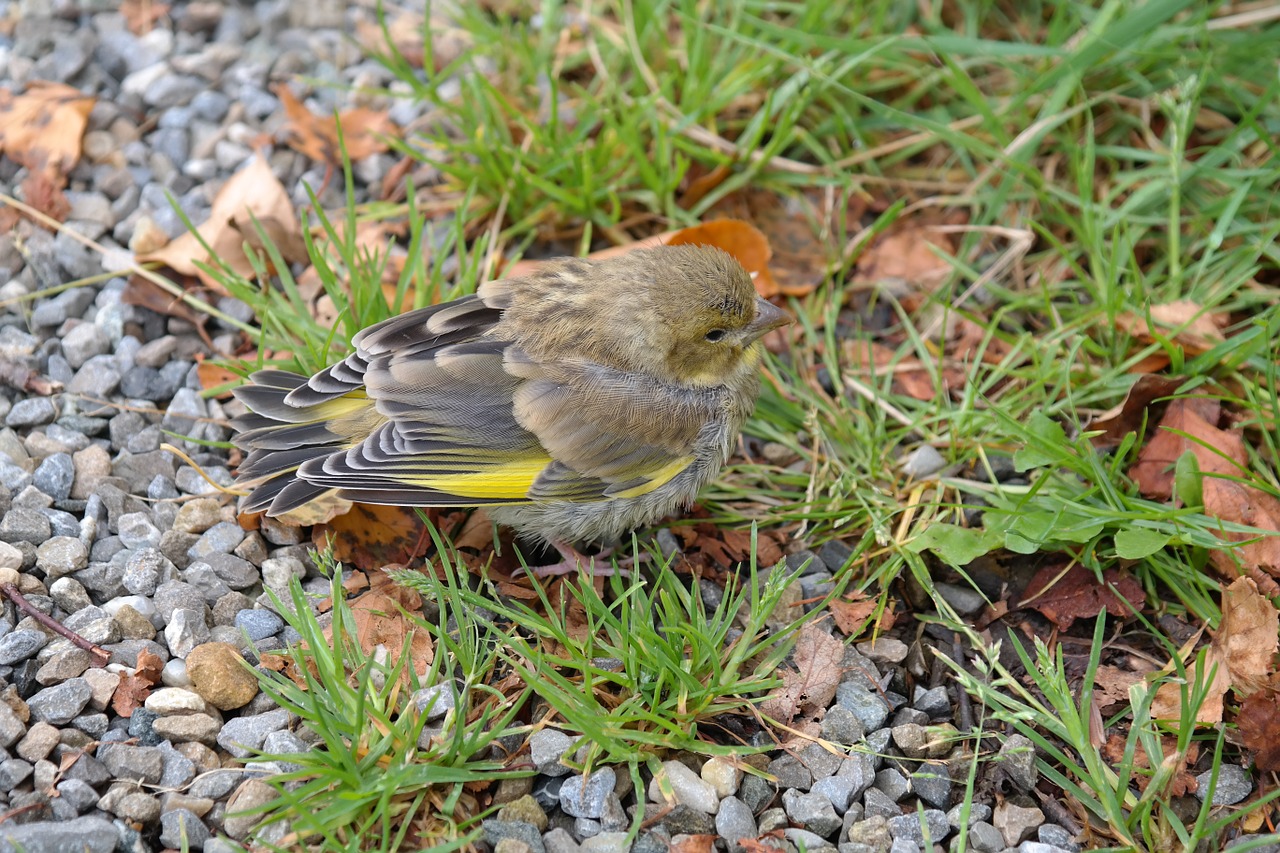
473	420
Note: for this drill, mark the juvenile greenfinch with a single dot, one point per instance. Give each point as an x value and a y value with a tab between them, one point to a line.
575	403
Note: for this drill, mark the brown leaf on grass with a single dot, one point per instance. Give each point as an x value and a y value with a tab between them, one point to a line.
213	375
1131	414
1239	658
852	612
404	32
1078	594
253	193
811	685
912	251
1186	322
363	130
133	689
871	360
1259	727
381	620
1220	455
42	128
794	228
370	536
1183	782
140	16
1198	418
1111	685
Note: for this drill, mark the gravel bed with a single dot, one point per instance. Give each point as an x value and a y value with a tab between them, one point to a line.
91	525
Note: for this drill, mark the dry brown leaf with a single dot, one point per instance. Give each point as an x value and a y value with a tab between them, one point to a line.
371	536
1259	727
45	196
405	33
811	685
1131	414
381	621
1220	455
43	128
252	193
852	612
213	375
134	689
1195	416
914	253
692	844
364	131
1240	656
1111	685
1078	594
1189	325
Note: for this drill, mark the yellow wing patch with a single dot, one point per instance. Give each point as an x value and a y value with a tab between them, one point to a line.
657	478
505	480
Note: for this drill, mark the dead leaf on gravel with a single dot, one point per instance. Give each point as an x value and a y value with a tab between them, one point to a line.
1078	594
134	688
381	621
371	536
1259	727
811	685
43	128
1111	685
1186	322
852	612
364	131
692	844
1239	657
253	193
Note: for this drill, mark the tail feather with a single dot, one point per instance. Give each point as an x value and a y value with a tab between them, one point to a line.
280	437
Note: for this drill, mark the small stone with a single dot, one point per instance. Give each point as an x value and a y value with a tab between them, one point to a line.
687	788
868	707
811	811
200	728
876	802
585	797
60	704
985	838
1016	823
873	832
923	462
1056	836
185	631
244	734
17	646
546	748
735	820
55	476
723	775
1233	784
893	784
249	797
909	827
182	830
884	650
1017	758
932	784
219	674
524	810
60	556
790	773
133	763
842	726
935	702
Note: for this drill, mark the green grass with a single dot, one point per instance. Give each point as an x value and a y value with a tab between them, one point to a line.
1103	158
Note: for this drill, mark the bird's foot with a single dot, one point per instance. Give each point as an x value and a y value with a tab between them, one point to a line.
596	565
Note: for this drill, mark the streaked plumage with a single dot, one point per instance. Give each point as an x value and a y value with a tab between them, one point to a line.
575	403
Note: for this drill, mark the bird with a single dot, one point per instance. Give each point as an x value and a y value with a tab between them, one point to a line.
576	403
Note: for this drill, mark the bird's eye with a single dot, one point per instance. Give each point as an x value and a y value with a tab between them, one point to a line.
715	335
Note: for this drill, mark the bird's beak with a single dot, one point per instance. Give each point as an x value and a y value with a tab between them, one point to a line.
768	317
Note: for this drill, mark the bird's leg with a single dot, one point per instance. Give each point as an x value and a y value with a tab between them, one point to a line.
572	559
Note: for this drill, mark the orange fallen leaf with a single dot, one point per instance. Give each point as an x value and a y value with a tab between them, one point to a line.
364	131
43	128
1186	322
213	375
852	612
253	193
1131	414
133	689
